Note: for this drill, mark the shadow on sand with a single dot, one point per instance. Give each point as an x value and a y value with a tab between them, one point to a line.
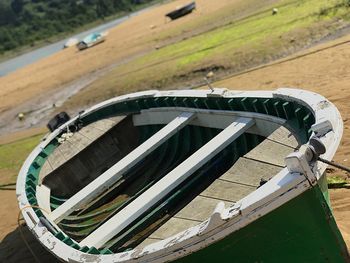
14	250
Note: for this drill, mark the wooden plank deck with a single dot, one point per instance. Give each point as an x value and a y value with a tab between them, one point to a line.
221	190
283	136
262	162
270	152
206	204
159	190
250	172
114	173
76	143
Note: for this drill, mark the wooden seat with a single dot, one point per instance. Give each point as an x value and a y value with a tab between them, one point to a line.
262	162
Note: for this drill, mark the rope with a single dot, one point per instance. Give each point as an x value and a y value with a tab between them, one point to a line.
21	232
332	163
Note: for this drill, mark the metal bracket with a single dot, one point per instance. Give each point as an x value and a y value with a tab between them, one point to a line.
304	160
322	128
299	162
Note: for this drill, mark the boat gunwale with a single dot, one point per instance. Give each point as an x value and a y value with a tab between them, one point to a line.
234	217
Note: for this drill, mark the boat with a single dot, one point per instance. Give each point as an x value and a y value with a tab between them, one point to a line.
92	40
181	11
188	176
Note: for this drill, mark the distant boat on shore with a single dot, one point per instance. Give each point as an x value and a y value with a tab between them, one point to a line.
92	40
181	11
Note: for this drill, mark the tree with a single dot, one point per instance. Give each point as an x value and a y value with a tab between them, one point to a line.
7	16
104	8
17	6
26	21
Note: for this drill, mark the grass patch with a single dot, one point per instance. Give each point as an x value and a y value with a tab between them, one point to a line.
300	14
244	43
12	156
297	14
337	182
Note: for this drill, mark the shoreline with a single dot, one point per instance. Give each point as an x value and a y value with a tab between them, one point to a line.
58	40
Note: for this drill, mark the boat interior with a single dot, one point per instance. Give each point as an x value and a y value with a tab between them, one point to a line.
232	156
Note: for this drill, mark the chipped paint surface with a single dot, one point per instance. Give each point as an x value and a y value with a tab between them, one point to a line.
280	189
323	104
90	258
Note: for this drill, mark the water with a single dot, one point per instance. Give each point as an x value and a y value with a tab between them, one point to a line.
35	55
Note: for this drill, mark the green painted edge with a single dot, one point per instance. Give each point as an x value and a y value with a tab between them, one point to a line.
301	230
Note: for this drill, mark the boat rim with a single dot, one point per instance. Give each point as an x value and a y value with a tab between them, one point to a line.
283	187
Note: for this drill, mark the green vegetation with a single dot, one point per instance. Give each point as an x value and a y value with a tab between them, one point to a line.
337	182
12	156
253	31
238	45
25	22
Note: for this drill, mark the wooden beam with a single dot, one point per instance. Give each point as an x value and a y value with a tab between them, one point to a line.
101	183
43	196
165	185
265	125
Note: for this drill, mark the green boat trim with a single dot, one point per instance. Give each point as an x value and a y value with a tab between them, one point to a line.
234	228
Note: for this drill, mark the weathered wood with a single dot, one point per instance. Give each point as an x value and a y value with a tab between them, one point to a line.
200	208
227	191
240	180
45	170
164	186
56	159
43	197
147	242
284	136
96	187
264	124
91	132
270	152
79	140
76	143
250	172
68	149
107	124
173	226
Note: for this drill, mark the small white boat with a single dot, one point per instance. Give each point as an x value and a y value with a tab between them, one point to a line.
92	40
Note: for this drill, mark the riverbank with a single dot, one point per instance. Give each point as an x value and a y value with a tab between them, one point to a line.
149	51
74	31
36	88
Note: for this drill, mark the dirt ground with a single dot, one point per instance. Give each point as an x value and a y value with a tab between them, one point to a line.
340	199
131	38
326	71
40	88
